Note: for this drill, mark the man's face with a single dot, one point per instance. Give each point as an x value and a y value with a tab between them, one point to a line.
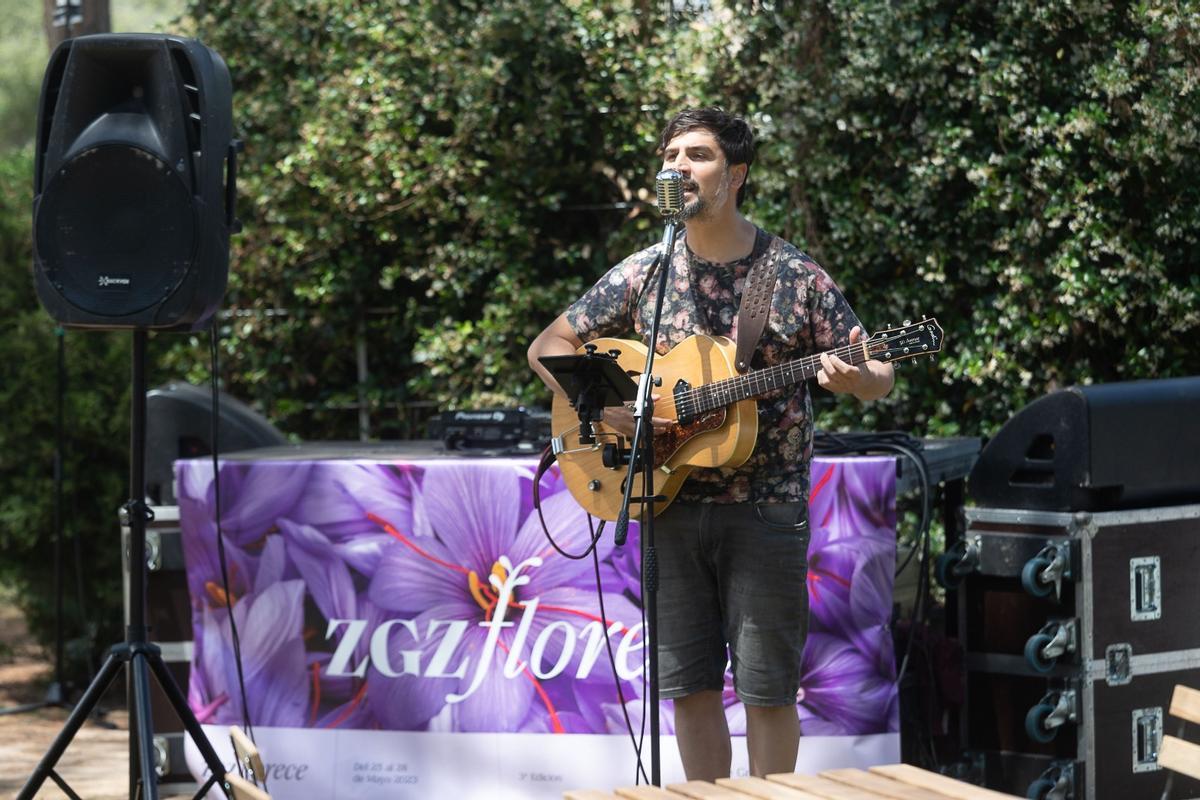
708	181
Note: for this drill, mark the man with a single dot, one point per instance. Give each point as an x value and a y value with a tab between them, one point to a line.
733	546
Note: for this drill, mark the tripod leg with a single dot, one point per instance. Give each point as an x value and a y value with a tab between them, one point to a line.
145	726
95	689
191	725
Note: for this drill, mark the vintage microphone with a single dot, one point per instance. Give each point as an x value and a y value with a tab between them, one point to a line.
668	185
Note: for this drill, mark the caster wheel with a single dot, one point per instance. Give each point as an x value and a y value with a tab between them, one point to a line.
1033	652
1033	723
1039	789
1029	577
944	570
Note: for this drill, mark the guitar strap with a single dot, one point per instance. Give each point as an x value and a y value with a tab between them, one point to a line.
756	303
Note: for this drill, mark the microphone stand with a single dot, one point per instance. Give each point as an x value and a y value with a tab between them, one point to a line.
642	455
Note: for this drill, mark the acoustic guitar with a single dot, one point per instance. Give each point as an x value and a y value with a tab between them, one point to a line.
713	408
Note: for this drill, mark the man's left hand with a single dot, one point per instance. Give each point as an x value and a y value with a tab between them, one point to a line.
861	381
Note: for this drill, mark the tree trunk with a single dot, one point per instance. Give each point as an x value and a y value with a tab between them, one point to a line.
84	17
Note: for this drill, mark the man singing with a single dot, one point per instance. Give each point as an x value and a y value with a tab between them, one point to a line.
733	546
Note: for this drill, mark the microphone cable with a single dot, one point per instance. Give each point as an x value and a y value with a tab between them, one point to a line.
544	464
214	431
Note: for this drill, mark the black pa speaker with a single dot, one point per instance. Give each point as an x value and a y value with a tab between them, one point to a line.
134	183
1096	448
179	425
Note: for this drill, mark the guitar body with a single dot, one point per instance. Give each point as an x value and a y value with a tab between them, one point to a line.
715	414
723	437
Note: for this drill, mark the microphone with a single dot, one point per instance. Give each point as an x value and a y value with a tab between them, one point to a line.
668	184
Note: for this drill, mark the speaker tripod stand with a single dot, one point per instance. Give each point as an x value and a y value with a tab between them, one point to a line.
136	654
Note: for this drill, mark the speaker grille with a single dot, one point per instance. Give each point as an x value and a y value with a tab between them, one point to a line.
116	230
192	121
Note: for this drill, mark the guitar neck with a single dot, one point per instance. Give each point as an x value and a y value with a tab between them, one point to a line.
753	384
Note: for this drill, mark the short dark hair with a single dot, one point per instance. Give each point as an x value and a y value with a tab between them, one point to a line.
732	133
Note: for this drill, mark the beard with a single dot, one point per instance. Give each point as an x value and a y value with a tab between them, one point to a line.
701	208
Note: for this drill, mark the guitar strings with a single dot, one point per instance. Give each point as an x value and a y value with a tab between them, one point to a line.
740	387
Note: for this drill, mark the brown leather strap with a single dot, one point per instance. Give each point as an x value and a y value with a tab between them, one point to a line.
756	304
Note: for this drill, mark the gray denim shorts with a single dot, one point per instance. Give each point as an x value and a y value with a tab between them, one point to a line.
733	588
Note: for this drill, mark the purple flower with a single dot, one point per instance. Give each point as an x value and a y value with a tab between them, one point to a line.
253	496
854	499
340	498
478	543
735	712
270	629
842	692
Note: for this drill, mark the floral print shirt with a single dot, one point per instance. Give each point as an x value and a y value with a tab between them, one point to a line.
808	315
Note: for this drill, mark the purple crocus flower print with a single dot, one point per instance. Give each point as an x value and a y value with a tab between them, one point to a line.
270	627
456	614
512	648
842	692
849	654
253	496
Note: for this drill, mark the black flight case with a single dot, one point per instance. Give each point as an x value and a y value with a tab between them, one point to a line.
1076	627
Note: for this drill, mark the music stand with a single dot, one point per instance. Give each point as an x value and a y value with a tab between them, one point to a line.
595	381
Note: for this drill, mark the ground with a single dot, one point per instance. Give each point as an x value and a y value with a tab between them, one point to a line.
96	763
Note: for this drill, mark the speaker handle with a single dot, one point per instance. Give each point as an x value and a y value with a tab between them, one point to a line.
235	225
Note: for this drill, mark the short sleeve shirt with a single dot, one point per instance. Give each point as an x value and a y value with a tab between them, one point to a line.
808	315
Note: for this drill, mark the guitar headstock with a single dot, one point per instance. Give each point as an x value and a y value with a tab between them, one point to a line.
923	338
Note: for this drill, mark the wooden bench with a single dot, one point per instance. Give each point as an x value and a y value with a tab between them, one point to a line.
890	782
1174	753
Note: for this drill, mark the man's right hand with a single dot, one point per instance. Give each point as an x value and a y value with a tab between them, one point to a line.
620	419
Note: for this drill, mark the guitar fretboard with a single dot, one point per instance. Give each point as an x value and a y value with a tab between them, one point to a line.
719	394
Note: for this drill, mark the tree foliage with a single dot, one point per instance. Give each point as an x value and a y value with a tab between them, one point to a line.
1024	171
431	179
434	181
94	453
427	184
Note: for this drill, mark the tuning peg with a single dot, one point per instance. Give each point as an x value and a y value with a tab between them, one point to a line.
907	322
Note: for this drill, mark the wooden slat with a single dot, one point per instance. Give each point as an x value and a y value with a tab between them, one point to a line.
646	793
915	776
1185	704
703	790
1180	756
243	789
588	794
246	752
822	787
880	785
766	790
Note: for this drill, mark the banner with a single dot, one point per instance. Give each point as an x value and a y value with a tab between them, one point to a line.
423	598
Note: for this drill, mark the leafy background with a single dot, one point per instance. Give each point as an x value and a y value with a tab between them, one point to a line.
425	185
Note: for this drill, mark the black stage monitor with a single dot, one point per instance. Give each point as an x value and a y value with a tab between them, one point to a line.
179	425
1096	448
134	183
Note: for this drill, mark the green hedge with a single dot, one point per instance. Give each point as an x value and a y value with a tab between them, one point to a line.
95	453
436	180
1024	171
